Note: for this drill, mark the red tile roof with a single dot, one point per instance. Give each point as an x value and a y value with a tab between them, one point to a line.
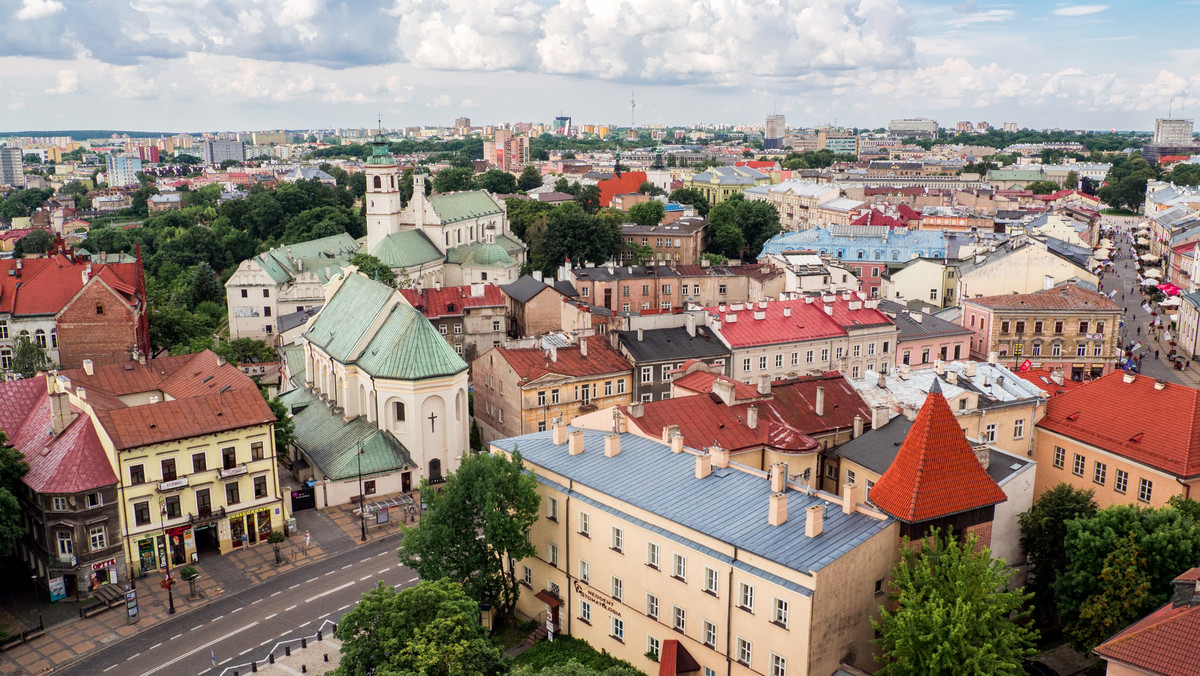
628	182
450	301
46	285
935	473
72	462
701	382
533	363
1164	642
1065	297
1158	428
878	218
757	164
807	321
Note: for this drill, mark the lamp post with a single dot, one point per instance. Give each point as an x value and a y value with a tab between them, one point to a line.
168	583
362	507
34	579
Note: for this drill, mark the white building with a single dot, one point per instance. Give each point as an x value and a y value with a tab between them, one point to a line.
1176	132
123	171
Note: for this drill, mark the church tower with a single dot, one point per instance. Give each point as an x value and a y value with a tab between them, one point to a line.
383	192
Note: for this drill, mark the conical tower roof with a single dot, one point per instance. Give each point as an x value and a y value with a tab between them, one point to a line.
935	473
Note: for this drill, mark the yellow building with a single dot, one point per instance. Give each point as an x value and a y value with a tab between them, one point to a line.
192	442
719	183
522	390
646	547
1128	438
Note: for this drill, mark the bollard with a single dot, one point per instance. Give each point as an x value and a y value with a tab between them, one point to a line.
326	657
318	634
303	642
335	627
254	667
304	668
271	658
287	651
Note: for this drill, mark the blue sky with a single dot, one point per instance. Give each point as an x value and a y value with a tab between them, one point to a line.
255	64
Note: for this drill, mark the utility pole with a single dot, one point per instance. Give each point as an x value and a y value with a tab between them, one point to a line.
362	508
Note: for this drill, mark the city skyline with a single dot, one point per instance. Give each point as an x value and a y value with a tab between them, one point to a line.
311	64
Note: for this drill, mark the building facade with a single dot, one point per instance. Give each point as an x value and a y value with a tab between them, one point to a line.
473	319
680	242
657	356
214	152
12	167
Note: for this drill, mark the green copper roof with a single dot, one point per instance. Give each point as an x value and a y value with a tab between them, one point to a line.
316	255
407	347
1030	175
332	444
347	316
460	206
381	151
406	250
479	254
293	355
511	244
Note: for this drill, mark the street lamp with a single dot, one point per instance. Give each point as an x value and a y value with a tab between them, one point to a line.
168	583
362	507
37	603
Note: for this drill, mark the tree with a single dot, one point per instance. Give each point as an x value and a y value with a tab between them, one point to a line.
648	188
204	286
431	628
28	359
140	197
496	181
31	158
454	178
284	429
588	197
1184	174
249	351
575	668
1043	529
12	468
230	163
1042	187
1124	594
647	213
954	613
374	268
1071	182
693	197
36	243
491	497
77	190
529	179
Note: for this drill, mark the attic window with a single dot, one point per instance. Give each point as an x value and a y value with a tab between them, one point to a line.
1137	438
1074	416
99	308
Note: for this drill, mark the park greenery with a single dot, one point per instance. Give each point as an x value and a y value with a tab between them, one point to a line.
12	468
954	613
491	497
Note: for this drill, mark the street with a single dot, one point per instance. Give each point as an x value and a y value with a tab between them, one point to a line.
242	625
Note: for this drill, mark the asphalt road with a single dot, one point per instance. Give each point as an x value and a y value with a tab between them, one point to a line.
243	625
1135	316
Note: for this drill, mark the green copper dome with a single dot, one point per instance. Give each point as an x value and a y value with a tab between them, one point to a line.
492	254
381	151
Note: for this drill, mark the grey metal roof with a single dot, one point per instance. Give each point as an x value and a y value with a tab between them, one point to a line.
929	326
729	505
604	273
293	319
565	287
524	289
672	345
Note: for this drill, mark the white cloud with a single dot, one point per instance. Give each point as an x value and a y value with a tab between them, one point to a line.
982	16
38	9
1080	10
68	82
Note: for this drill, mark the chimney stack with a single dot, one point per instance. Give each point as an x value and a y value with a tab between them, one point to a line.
778	474
820	407
559	430
220	360
553	352
972	369
992	357
703	465
575	442
938	367
724	390
691	324
669	431
910	412
858	426
752	417
849	498
814	520
88	368
982	454
1186	589
720	456
903	370
777	510
583	347
640	335
81	393
952	377
636	409
880	415
1160	384
60	412
764	385
1129	377
882	380
676	442
787	311
612	445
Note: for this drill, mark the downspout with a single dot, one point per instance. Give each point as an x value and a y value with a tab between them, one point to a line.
567	539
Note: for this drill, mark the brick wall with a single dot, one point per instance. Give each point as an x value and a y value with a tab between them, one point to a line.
83	333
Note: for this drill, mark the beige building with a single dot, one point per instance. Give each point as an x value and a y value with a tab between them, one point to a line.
708	285
633	558
1128	438
796	201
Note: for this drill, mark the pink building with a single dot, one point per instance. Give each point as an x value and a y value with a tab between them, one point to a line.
924	338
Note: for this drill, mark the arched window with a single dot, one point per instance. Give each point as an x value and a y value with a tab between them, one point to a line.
392	180
39	337
878	254
378	183
861	253
435	470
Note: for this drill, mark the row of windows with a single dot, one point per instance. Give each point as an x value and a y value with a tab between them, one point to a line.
39	336
1081	349
764	360
60	503
989	430
1100	474
1018	326
137	473
172	508
943	352
97	540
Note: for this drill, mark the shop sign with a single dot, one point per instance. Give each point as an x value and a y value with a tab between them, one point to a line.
58	589
172	484
101	565
603	600
233	471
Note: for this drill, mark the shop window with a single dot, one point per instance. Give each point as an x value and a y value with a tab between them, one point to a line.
369	487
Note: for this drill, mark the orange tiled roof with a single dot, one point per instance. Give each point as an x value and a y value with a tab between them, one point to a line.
935	473
1164	642
533	363
1065	297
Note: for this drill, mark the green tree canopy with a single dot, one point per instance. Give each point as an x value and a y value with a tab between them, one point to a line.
573	233
12	468
738	225
20	203
1043	529
1042	187
647	213
1123	594
497	181
285	428
693	197
429	629
28	358
588	197
648	188
204	285
492	498
454	178
374	268
954	613
35	243
529	179
1184	174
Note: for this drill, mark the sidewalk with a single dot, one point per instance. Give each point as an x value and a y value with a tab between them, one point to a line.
332	530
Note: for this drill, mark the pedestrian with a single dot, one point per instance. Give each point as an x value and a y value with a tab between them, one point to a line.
1156	354
1139	331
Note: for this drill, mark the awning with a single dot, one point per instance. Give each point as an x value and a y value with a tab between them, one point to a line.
1149	282
1172	301
1100	254
1149	257
1154	273
1169	289
549	599
1143	241
1106	242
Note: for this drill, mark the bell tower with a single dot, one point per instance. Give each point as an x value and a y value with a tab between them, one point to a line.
383	192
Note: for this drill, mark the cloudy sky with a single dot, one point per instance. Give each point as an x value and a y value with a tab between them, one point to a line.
196	65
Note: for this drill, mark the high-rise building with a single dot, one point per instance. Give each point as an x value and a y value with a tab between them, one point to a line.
773	133
1173	132
462	125
916	127
217	151
562	125
1010	127
508	151
123	171
12	169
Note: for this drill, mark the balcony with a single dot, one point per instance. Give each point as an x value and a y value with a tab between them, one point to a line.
62	561
236	470
206	516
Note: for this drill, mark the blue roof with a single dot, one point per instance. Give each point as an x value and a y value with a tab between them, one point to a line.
729	505
873	243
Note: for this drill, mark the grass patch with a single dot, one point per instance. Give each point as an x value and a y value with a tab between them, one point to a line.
1118	212
508	637
563	650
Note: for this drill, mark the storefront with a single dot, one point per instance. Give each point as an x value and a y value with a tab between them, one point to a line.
249	527
215	533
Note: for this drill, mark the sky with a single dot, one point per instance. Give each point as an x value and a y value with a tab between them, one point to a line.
236	65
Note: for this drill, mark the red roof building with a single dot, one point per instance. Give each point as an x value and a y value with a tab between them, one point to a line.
471	318
1164	642
936	480
626	182
1129	438
73	308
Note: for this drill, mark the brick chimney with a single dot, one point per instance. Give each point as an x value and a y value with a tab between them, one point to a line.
612	445
676	442
820	405
777	509
575	442
903	371
559	430
764	385
61	414
724	390
880	416
983	454
703	465
552	352
814	520
752	417
720	456
636	409
859	424
691	325
971	369
1129	377
1186	589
